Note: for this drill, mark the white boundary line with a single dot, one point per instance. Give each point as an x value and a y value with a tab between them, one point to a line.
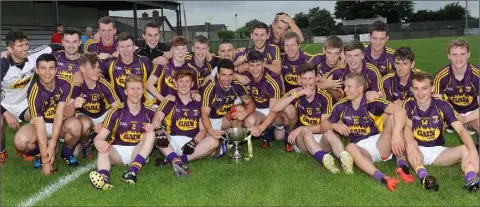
307	46
49	190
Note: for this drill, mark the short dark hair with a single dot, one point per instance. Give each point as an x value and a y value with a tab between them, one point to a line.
353	45
106	20
278	14
226	42
200	39
14	35
183	73
72	31
359	78
259	25
379	26
404	53
88	57
124	36
47	57
150	25
421	76
307	67
254	56
225	64
58	25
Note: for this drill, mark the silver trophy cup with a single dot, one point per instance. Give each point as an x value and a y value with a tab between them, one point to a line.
236	136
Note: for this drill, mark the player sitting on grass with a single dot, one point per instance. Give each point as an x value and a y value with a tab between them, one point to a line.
396	86
91	98
362	122
47	98
313	106
132	137
458	83
266	90
218	110
183	126
424	135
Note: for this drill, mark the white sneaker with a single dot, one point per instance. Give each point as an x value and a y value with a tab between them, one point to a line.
329	163
347	162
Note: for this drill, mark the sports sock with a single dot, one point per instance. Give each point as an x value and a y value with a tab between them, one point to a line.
401	161
421	172
2	141
173	158
470	175
137	164
106	174
378	175
184	158
66	151
319	156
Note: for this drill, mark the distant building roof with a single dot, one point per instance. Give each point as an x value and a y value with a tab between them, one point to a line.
207	27
363	21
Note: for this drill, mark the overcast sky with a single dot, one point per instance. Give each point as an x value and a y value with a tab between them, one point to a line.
223	12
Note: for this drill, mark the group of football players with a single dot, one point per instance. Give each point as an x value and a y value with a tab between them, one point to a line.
127	99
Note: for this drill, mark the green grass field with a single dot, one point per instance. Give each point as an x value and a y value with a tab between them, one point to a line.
271	178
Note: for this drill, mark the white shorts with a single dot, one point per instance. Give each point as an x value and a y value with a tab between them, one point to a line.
264	111
95	120
49	129
125	153
316	137
370	144
465	114
430	153
238	101
216	123
177	143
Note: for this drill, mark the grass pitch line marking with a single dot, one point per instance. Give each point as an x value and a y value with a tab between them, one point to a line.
304	48
49	190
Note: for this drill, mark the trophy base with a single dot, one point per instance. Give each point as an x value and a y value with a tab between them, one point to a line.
236	159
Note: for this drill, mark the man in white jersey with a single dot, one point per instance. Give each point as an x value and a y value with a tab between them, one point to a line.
16	75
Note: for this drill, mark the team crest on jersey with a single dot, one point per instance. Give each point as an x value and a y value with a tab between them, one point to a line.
318	110
366	120
195	112
57	96
435	119
137	70
468	89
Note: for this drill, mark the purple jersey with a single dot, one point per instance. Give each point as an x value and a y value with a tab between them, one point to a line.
181	119
96	99
221	100
98	47
65	67
205	70
271	40
374	79
310	113
384	63
270	86
392	88
125	128
166	77
118	72
427	126
462	94
270	53
291	69
364	122
43	103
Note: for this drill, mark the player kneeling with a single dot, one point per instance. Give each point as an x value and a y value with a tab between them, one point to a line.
47	97
218	110
132	136
313	106
424	135
90	98
370	141
183	126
